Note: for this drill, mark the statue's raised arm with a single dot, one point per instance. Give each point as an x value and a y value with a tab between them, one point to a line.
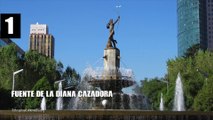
117	20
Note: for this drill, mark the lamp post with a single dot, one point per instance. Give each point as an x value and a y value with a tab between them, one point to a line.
59	81
14	73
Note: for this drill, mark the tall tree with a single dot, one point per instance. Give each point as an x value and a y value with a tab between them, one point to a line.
71	76
152	88
9	62
41	85
192	50
192	77
204	99
59	70
35	67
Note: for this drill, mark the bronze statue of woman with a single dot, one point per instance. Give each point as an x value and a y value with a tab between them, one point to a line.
110	26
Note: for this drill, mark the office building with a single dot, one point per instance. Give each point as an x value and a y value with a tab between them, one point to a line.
7	41
209	7
195	24
41	40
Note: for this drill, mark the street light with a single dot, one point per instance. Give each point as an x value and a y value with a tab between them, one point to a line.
14	73
59	81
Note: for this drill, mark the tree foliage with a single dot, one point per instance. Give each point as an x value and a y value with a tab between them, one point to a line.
40	73
152	89
9	62
35	67
193	71
191	52
71	76
41	85
196	70
204	98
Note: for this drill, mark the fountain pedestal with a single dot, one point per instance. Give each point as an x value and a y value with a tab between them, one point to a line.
111	78
111	64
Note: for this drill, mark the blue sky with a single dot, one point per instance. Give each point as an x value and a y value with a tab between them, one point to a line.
146	34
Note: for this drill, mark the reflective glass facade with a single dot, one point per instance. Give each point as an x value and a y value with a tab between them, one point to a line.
7	41
191	24
209	10
2	43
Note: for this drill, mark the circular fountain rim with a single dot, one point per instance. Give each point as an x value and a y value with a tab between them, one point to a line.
124	83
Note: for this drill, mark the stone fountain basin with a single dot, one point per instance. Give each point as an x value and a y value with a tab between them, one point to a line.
111	84
105	114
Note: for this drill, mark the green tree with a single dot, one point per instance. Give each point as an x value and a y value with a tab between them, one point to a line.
152	88
192	77
41	85
71	76
204	99
35	67
192	51
59	70
9	62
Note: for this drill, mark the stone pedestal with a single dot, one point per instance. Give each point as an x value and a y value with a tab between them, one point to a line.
111	64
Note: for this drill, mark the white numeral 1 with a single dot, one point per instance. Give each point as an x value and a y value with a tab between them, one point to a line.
10	25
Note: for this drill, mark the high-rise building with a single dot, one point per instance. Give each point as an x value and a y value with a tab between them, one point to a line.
195	24
209	7
41	40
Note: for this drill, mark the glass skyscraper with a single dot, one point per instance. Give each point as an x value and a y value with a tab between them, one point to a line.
2	43
7	41
194	24
209	12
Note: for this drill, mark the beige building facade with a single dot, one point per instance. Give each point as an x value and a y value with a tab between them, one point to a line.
41	40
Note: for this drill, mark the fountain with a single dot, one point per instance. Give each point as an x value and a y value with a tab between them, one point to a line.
59	102
104	103
109	78
179	98
43	103
161	103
